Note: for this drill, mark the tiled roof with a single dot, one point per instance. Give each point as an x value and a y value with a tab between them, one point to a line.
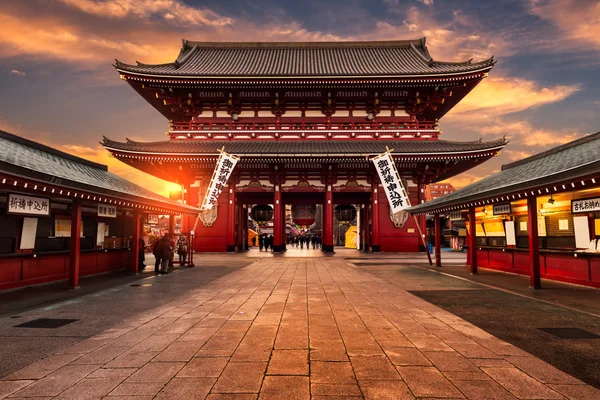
29	159
312	59
302	147
567	162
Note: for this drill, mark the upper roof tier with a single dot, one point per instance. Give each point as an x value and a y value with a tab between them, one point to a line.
305	59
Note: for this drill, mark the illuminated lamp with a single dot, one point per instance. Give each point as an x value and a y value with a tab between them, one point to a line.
370	116
234	117
551	200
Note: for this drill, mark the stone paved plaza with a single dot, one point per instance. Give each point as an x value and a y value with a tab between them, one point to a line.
293	328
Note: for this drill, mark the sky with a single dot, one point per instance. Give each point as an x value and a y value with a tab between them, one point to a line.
58	85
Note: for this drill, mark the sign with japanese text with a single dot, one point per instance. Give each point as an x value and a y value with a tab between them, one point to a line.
501	209
30	205
152	219
390	179
585	205
455	216
225	165
107	211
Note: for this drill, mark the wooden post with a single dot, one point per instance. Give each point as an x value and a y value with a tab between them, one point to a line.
135	245
327	245
438	240
75	249
375	246
473	240
277	248
534	244
231	219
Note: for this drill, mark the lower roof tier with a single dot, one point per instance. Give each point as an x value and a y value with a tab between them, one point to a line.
304	148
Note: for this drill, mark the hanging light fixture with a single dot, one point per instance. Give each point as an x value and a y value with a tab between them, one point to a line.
551	200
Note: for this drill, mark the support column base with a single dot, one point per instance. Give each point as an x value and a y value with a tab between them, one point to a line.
231	249
376	249
277	248
327	248
535	287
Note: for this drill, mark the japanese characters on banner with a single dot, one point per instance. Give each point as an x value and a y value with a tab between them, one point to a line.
585	205
30	205
455	216
107	211
390	179
225	165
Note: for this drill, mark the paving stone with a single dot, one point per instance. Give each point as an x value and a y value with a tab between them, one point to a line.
577	392
407	356
102	355
484	390
43	367
156	372
285	387
56	382
137	389
385	390
90	389
428	381
520	384
332	372
112	373
241	378
450	361
186	388
542	371
9	387
374	368
230	396
466	376
203	368
179	351
288	362
325	389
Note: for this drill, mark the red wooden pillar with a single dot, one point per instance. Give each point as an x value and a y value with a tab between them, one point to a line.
239	242
421	219
135	245
75	249
367	227
438	240
472	240
534	244
327	245
375	247
283	225
277	223
231	218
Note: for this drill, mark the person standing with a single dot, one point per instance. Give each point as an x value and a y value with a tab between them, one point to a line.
141	255
155	251
182	249
261	242
164	250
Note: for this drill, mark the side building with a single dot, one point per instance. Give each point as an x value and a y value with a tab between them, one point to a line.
304	118
64	217
539	216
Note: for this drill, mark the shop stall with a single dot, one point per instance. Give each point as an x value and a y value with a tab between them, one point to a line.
539	216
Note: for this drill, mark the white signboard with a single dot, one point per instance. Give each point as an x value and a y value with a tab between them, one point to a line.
221	174
394	189
582	232
501	209
585	205
511	239
152	219
100	232
22	204
107	211
28	233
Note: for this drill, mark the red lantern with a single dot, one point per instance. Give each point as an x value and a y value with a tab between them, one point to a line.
304	215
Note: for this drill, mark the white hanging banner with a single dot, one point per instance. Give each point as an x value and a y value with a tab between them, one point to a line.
392	184
225	165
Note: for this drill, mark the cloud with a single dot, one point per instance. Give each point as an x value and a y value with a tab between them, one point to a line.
578	20
427	2
145	9
523	133
504	95
17	72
